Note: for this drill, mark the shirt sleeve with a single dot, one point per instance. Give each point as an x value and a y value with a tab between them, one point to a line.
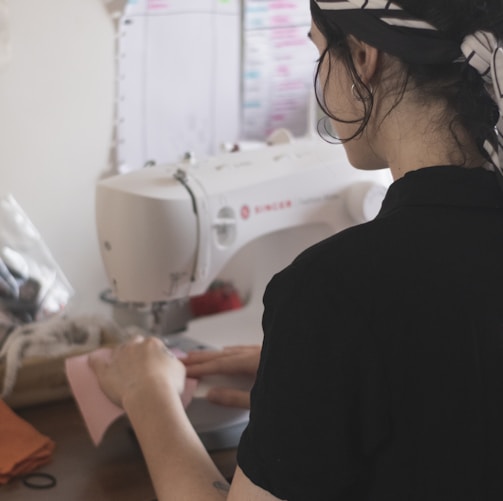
319	407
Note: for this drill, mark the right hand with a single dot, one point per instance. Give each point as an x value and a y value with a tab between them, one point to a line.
232	360
136	365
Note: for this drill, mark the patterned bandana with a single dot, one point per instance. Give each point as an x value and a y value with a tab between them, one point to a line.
386	10
484	53
386	26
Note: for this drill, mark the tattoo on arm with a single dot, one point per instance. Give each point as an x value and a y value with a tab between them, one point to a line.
221	487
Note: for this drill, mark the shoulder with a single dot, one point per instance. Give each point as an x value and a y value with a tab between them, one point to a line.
340	261
328	292
346	244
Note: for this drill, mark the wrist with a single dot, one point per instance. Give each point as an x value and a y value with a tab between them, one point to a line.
146	394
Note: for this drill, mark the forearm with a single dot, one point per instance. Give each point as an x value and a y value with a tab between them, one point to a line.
179	465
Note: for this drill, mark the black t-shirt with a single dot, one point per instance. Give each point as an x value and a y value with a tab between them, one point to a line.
381	374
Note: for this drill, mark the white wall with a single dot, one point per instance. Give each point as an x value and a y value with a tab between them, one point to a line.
56	126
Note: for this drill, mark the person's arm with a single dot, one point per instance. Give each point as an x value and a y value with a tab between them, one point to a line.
232	361
242	489
146	379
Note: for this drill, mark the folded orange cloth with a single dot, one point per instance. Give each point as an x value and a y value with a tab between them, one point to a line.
22	448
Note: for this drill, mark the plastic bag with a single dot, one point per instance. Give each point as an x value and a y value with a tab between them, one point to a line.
32	286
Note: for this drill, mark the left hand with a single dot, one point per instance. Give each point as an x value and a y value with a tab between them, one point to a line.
135	366
233	361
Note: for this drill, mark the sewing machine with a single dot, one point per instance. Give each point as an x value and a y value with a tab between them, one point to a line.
167	232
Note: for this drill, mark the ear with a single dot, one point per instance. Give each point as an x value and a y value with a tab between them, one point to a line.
365	57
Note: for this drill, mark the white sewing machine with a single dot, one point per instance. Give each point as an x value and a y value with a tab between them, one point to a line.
167	232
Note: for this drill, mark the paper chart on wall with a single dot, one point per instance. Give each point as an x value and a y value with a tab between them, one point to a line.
278	68
179	79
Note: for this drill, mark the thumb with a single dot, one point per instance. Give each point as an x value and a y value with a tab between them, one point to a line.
98	360
229	397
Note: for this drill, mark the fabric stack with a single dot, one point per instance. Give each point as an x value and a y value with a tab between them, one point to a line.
22	448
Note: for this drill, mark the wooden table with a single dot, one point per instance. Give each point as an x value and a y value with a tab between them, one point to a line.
113	471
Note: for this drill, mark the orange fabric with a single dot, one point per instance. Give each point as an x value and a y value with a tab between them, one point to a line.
22	448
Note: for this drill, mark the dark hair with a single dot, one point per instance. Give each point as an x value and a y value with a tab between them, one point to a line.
458	84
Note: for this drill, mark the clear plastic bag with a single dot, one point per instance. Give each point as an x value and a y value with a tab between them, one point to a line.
32	286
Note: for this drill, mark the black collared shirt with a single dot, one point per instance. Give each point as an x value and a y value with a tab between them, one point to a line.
381	376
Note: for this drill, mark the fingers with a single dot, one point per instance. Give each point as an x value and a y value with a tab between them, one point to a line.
205	355
229	360
219	365
200	356
99	359
242	348
139	344
229	397
95	363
